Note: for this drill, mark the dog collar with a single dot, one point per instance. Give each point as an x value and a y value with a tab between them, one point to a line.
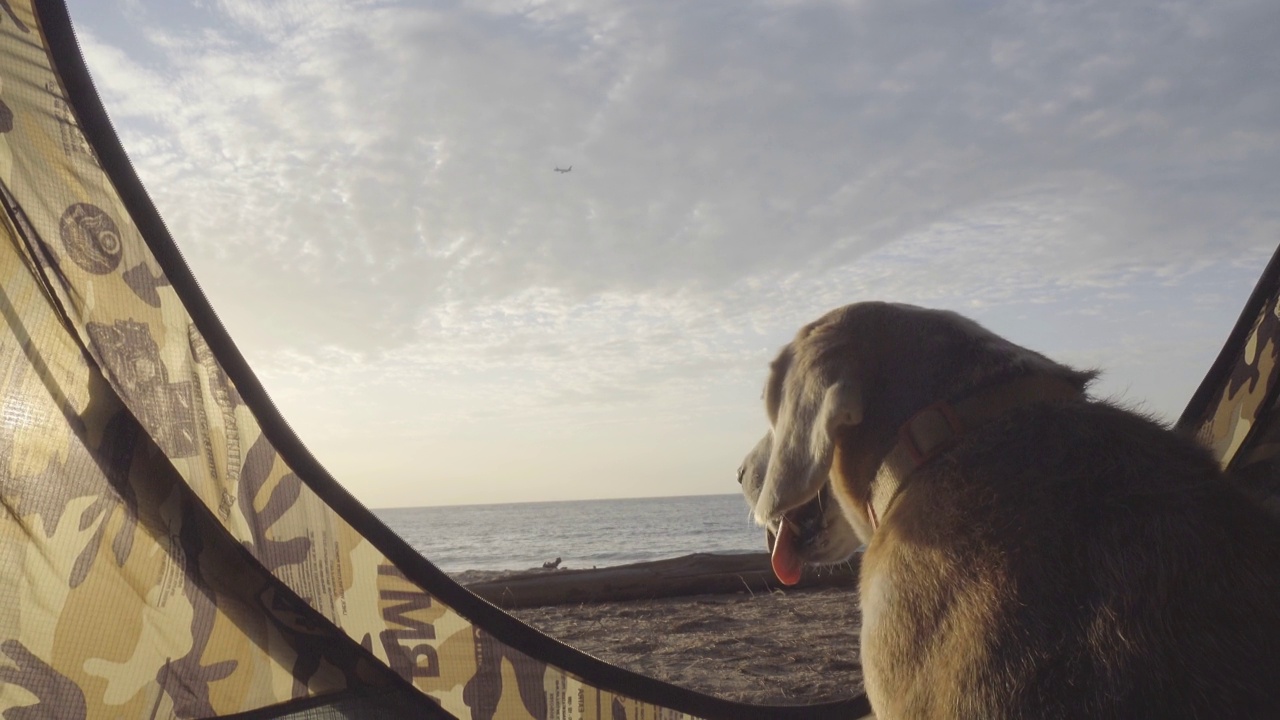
937	427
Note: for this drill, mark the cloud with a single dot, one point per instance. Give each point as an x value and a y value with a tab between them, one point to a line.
709	142
365	188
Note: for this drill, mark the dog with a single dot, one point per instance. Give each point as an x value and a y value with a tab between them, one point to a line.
1031	551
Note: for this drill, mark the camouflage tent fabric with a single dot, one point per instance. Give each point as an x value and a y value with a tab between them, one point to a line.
1236	410
168	547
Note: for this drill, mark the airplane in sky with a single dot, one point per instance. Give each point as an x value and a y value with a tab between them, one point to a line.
563	170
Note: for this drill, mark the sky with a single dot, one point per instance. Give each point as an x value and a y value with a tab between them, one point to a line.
366	191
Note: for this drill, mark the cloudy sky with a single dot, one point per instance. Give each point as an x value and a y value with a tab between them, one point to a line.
365	189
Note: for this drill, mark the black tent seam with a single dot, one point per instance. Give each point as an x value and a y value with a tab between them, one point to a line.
1206	395
85	102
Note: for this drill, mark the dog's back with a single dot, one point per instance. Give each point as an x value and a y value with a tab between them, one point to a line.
1073	560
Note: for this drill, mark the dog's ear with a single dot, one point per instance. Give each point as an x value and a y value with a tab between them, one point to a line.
752	470
808	419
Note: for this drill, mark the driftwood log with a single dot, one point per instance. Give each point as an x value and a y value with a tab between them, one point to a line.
697	574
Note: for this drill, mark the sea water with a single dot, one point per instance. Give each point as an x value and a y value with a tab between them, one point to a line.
582	533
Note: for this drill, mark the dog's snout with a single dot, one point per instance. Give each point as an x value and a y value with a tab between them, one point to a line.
742	471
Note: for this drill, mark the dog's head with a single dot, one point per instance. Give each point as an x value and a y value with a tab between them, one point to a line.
849	381
818	532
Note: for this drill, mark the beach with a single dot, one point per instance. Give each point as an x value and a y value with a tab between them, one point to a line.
783	647
749	640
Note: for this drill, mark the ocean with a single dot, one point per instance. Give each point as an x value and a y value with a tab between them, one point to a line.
582	533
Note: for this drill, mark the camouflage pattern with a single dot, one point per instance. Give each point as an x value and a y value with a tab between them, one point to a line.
1240	421
158	558
1239	425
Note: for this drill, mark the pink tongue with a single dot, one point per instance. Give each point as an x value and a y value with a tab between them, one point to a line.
786	562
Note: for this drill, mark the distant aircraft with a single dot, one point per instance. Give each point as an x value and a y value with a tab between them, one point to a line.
563	170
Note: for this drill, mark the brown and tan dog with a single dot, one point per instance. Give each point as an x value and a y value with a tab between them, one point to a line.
1031	552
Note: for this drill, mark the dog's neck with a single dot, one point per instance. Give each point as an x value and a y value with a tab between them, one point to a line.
937	427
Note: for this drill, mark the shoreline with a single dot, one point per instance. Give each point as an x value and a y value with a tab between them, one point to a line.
695	574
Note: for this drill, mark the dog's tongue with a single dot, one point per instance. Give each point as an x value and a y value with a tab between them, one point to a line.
786	561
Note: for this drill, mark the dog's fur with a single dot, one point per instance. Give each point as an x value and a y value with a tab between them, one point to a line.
1065	559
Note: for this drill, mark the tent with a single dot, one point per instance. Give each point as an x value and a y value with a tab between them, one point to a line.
169	548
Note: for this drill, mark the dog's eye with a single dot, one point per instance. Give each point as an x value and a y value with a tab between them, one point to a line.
741	472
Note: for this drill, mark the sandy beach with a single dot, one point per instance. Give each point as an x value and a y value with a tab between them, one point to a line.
773	647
